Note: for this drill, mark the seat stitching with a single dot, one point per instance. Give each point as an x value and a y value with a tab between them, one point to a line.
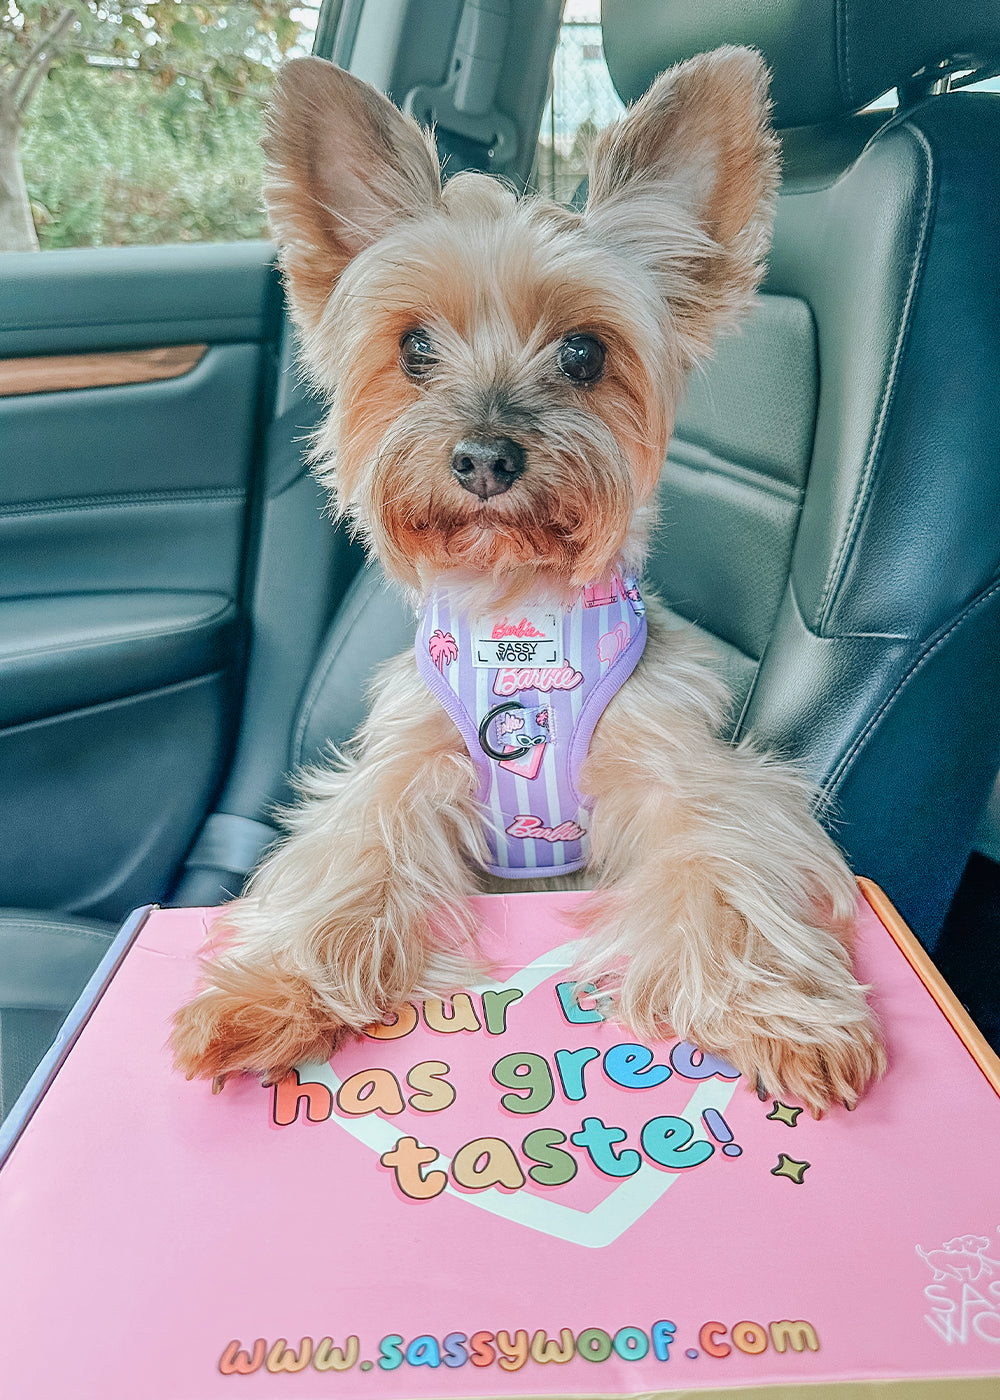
99	707
843	636
844	53
106	640
835	576
121	502
705	462
8	926
832	784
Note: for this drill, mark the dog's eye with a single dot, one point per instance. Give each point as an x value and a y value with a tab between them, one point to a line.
416	354
581	358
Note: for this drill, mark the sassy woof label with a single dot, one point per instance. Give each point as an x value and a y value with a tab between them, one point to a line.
512	1349
522	637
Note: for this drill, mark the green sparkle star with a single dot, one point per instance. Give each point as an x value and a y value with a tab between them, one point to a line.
782	1113
787	1166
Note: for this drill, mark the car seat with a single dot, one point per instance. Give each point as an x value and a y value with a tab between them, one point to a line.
831	491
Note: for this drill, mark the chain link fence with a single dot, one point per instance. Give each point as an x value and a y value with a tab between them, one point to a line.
581	103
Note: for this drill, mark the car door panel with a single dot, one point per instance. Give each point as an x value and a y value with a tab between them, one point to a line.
184	433
90	299
125	516
63	652
103	802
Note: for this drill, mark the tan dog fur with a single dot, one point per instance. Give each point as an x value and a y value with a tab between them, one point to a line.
722	910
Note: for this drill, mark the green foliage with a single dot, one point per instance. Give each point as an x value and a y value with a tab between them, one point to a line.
224	49
109	160
146	126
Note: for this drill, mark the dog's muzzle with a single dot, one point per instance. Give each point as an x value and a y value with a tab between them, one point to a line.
487	466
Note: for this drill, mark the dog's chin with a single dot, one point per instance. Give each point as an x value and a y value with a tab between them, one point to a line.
495	554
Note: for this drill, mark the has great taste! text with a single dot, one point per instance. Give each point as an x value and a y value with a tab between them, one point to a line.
531	1082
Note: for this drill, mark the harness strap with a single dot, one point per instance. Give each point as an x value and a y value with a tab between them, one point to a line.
526	689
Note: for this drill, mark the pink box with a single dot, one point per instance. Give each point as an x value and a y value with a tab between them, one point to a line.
501	1195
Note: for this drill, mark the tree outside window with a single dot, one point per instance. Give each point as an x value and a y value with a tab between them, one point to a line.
137	123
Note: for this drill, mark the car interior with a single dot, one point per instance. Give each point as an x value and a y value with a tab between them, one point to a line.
182	626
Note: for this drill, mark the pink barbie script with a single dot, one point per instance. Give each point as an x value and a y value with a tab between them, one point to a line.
526	692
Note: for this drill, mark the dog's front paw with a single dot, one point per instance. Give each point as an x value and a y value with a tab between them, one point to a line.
816	1072
253	1023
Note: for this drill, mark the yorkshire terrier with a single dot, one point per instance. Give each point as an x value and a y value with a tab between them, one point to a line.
503	376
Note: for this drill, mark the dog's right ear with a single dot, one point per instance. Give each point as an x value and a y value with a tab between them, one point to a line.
685	184
343	167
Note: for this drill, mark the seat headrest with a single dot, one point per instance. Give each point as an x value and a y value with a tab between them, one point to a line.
828	58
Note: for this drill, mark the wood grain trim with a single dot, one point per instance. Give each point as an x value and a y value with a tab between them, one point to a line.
49	374
966	1029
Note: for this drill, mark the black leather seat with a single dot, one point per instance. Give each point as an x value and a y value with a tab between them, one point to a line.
831	492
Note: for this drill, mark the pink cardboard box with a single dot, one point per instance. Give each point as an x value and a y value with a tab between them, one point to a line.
500	1195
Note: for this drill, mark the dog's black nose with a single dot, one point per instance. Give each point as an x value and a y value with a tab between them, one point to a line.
487	466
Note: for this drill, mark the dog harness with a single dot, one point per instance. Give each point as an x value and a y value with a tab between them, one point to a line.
526	688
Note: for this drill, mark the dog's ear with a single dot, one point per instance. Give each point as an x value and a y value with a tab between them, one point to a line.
343	167
685	183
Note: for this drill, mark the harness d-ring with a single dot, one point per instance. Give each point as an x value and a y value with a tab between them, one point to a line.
484	742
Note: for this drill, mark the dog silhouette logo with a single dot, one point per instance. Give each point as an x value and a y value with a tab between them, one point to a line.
963	1258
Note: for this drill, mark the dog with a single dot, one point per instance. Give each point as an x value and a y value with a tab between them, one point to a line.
503	375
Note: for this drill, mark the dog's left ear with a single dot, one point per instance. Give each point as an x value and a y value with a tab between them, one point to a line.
344	167
685	183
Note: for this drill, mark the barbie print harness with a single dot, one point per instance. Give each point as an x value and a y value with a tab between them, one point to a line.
526	688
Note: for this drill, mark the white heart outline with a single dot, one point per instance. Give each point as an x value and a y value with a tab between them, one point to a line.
593	1229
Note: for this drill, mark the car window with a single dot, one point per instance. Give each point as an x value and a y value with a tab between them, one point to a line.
137	123
581	102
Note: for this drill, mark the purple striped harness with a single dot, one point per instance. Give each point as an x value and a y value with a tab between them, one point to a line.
526	689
